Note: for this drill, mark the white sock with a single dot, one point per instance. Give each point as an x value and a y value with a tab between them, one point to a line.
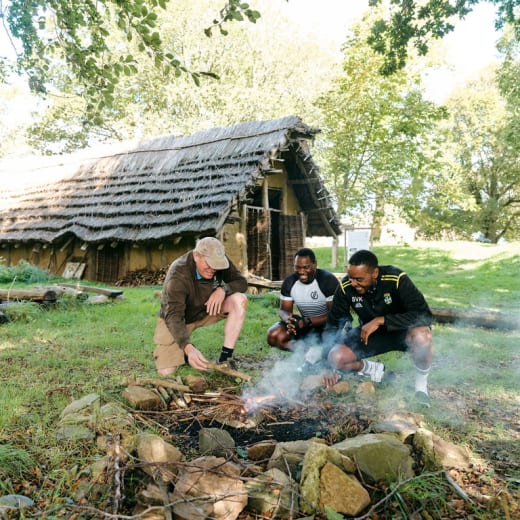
367	365
421	380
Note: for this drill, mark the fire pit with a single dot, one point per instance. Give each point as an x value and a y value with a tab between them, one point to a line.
254	418
277	406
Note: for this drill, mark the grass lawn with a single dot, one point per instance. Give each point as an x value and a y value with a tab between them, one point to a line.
50	357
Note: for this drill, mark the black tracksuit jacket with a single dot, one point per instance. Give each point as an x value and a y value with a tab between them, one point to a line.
394	296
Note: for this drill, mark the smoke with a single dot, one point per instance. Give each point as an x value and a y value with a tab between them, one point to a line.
284	377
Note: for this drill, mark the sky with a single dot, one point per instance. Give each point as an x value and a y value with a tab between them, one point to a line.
467	50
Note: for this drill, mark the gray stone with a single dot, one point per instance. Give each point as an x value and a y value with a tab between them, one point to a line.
272	494
114	418
341	492
98	298
15	502
197	384
142	398
159	458
74	432
288	456
99	469
77	406
261	450
316	456
312	383
343	387
215	441
401	422
75	418
209	487
403	429
379	456
437	453
366	390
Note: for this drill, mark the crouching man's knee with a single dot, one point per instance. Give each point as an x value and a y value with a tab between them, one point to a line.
236	304
420	343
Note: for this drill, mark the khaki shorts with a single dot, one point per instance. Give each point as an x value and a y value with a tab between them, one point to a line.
167	353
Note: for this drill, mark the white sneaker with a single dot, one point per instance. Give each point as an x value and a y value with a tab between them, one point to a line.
313	355
374	370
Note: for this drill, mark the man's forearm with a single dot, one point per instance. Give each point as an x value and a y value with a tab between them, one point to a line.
284	315
178	331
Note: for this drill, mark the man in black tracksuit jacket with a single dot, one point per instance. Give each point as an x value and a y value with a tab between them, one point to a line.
393	315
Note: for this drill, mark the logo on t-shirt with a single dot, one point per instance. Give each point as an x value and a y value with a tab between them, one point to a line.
314	295
387	298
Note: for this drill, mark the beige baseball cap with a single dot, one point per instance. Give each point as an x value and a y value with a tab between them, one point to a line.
213	251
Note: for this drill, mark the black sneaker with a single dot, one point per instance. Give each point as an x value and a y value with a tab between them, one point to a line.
229	363
423	399
388	377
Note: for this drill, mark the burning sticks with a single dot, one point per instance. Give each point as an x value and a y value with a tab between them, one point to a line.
220	407
252	404
191	402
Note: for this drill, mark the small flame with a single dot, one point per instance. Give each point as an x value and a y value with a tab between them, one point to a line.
254	402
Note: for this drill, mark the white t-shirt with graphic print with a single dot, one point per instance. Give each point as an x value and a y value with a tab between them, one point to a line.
310	298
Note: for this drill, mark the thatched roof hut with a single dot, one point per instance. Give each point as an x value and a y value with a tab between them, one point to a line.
163	192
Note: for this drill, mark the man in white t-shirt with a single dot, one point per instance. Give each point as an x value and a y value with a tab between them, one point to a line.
311	290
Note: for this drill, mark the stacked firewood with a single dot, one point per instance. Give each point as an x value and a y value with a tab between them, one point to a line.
142	277
189	402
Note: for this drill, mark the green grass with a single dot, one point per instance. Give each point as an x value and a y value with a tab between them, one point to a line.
50	357
459	275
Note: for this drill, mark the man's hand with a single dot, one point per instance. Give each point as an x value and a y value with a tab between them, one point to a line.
329	379
195	357
296	324
215	301
370	327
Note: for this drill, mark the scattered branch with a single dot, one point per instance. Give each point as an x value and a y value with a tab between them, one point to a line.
228	371
385	499
164	383
117	472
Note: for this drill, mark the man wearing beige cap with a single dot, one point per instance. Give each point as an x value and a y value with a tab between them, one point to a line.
201	288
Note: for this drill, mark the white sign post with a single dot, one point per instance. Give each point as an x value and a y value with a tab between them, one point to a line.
356	240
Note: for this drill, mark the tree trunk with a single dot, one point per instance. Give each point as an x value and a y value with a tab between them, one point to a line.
37	294
478	318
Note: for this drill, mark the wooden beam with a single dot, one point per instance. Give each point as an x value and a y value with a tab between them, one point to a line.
36	294
112	293
476	317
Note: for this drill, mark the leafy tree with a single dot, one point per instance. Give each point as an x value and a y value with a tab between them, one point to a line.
262	76
509	86
378	136
482	165
416	23
75	34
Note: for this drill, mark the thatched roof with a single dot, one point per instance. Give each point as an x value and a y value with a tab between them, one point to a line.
162	187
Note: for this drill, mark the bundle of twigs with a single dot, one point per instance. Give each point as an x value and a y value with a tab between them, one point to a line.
221	407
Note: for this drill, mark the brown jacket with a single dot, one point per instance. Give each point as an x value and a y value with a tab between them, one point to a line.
184	295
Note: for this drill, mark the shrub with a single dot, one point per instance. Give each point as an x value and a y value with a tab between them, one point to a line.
23	272
22	311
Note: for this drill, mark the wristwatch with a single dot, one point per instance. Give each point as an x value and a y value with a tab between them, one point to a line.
226	288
